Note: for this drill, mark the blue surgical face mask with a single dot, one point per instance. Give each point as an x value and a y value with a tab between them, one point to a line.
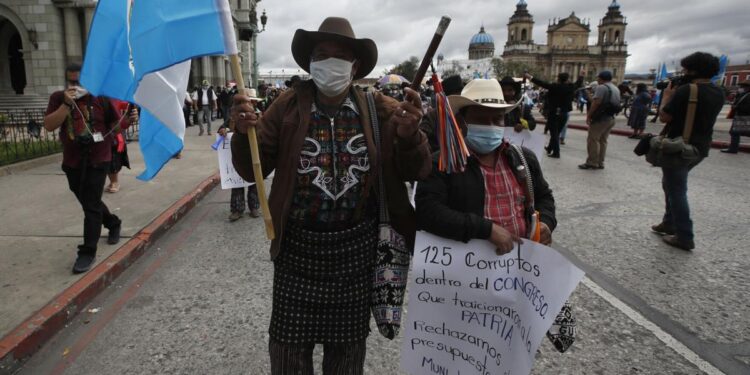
483	139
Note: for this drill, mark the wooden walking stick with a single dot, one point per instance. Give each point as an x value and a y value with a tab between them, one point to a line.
416	83
252	137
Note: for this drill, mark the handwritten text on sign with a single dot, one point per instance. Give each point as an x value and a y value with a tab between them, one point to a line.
472	312
229	177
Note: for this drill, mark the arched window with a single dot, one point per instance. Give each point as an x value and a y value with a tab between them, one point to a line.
617	36
523	35
604	37
513	35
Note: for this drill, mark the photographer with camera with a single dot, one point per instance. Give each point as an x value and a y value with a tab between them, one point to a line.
86	126
601	120
697	69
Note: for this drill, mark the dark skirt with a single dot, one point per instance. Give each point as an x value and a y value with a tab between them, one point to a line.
638	117
322	285
119	160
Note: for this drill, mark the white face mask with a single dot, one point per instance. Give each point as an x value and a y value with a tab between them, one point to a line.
80	92
332	76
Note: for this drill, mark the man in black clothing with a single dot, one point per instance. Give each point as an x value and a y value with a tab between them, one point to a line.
698	68
559	104
520	117
740	107
85	123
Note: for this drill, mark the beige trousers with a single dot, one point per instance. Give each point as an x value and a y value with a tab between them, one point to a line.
596	143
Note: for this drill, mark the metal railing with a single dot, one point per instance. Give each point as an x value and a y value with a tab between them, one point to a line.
22	136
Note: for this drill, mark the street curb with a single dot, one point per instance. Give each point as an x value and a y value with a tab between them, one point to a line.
25	165
29	336
714	144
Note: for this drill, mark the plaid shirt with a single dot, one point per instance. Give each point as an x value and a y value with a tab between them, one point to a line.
504	197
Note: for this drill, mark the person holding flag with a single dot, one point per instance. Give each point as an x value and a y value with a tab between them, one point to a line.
87	127
319	139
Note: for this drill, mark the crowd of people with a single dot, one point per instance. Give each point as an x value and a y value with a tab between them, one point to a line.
322	139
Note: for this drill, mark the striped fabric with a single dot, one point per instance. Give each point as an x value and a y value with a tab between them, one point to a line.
338	359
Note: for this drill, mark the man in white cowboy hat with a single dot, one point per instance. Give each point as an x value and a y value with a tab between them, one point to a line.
319	139
493	198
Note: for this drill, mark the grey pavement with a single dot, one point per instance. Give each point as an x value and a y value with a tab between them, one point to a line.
200	302
721	128
41	223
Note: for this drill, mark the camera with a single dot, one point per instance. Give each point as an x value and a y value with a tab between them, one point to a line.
676	81
85	139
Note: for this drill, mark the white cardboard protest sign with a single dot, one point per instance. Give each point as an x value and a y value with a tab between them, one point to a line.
532	141
230	179
473	312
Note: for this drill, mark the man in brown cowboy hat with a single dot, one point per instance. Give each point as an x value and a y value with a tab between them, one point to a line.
493	198
319	139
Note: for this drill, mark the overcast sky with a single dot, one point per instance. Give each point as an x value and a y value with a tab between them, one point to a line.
663	30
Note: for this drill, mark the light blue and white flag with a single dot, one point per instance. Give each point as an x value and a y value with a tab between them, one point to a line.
138	51
723	62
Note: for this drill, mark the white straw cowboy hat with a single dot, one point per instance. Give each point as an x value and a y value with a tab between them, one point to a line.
340	30
480	92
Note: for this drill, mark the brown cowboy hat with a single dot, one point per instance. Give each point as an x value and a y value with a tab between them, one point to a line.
340	30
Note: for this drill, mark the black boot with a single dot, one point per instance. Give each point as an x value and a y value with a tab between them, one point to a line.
83	263
114	234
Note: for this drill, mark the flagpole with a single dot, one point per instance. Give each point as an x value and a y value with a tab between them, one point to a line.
252	137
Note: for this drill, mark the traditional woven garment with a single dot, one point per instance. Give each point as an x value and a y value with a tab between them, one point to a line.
323	274
322	285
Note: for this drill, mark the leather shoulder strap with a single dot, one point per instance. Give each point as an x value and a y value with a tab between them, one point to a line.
690	119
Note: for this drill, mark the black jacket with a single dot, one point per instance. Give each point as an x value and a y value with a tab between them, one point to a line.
514	117
560	95
742	105
452	205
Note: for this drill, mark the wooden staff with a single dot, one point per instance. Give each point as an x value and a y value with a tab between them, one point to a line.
416	83
252	137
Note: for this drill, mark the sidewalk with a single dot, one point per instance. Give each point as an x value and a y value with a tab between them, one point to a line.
41	224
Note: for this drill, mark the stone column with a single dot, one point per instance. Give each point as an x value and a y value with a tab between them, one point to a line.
72	35
195	72
205	69
88	15
220	67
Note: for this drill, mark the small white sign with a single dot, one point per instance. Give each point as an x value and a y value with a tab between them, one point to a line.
230	179
532	141
473	312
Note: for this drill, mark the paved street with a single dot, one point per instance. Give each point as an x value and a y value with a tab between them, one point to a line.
41	222
199	302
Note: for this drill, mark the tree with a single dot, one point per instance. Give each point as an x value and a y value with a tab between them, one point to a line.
513	68
406	69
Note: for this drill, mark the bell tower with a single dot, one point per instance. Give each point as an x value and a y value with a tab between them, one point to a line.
520	26
612	27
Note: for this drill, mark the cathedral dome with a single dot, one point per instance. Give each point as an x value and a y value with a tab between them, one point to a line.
482	38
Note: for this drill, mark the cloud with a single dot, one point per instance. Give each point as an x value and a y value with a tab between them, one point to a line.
657	31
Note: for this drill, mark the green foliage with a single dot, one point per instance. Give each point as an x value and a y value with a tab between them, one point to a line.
13	152
406	69
514	69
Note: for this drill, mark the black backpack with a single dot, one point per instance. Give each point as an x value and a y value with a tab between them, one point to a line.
608	108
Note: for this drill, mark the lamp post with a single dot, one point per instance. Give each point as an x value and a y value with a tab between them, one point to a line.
263	21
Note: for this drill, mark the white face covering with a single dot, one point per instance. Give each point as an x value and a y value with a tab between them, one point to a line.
332	76
80	92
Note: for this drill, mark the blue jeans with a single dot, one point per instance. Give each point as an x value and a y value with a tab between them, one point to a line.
677	211
564	130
